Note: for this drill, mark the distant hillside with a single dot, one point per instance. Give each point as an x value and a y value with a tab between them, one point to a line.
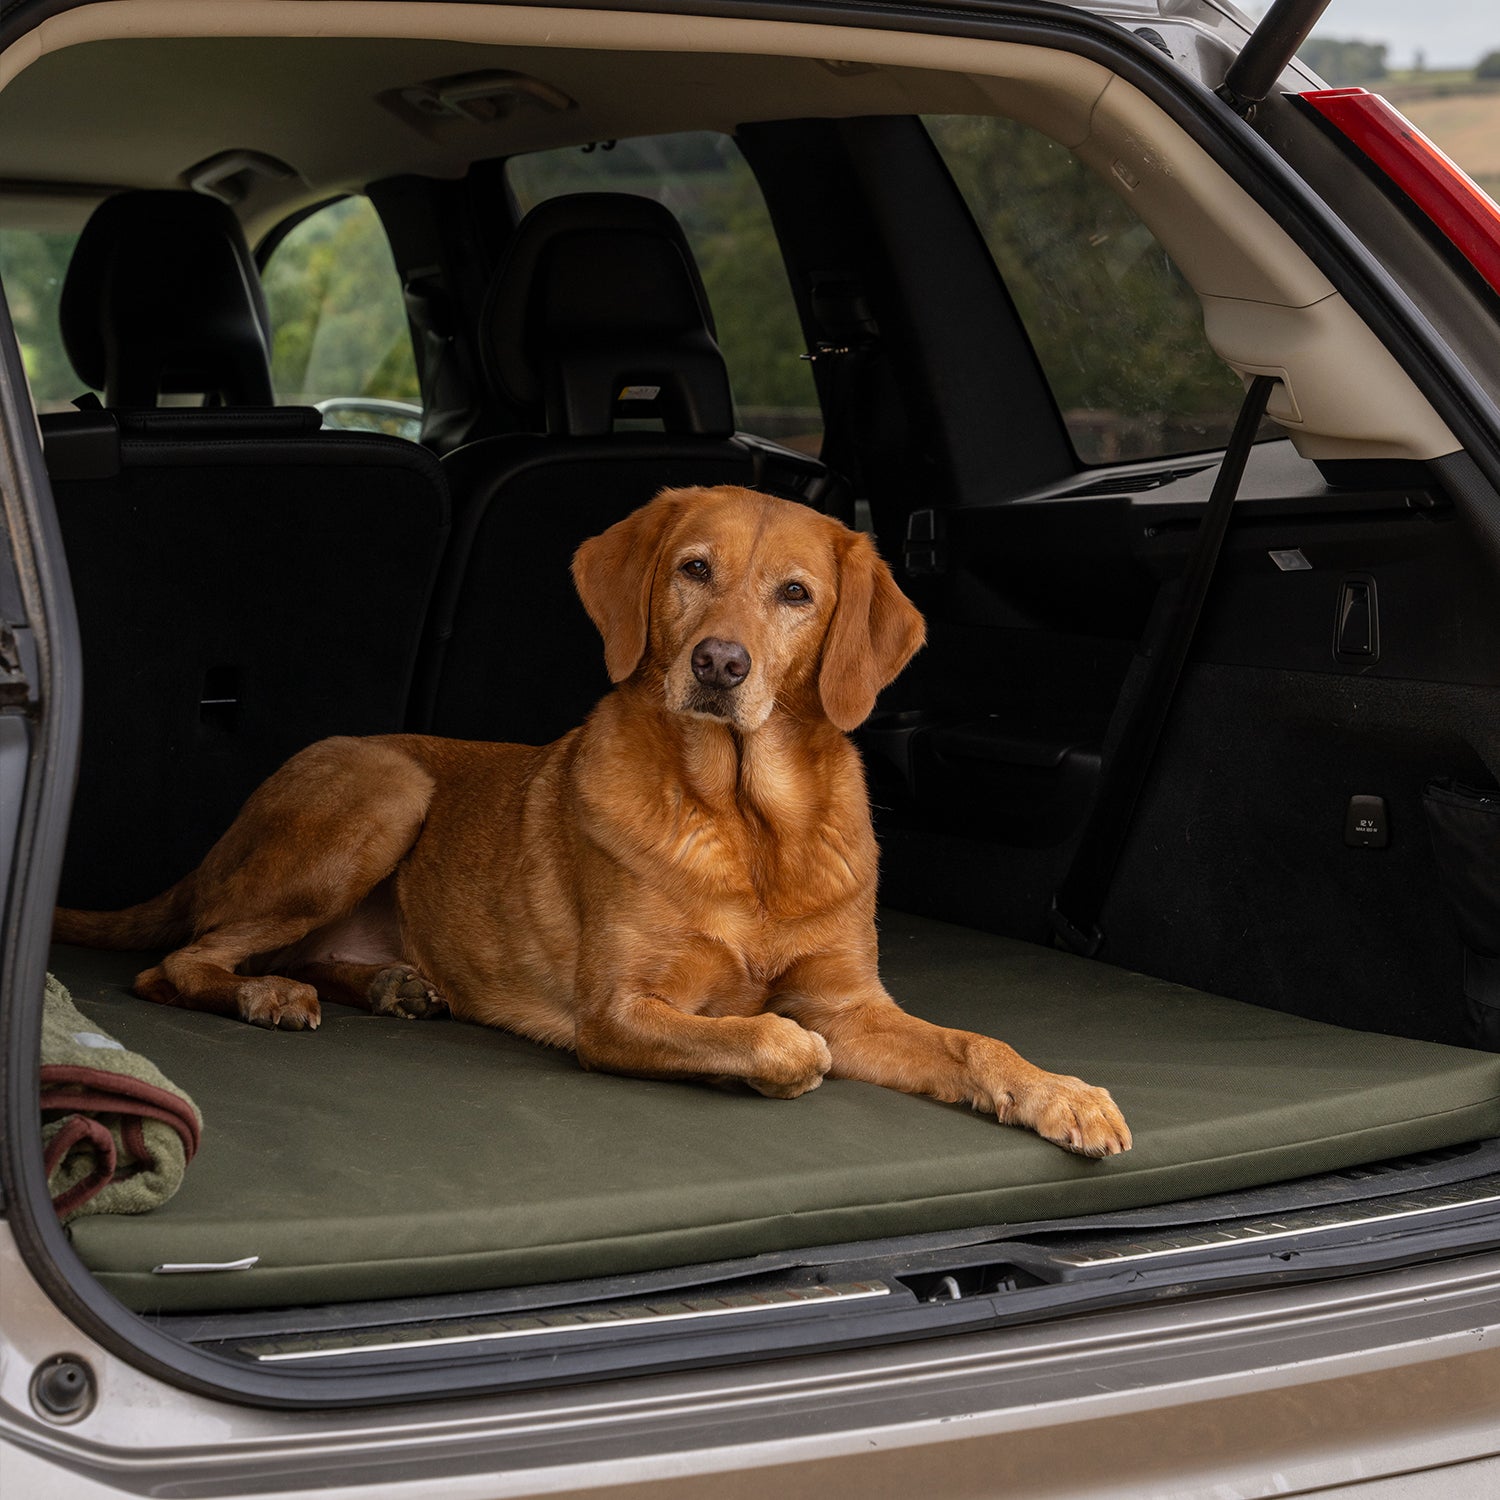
1459	108
1464	122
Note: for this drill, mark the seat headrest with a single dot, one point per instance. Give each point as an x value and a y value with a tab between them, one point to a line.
598	312
162	297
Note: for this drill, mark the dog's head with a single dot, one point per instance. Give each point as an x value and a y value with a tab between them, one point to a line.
738	602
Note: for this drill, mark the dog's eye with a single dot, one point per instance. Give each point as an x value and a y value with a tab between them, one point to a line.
795	593
695	567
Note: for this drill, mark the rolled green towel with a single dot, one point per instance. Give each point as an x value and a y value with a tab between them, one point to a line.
117	1136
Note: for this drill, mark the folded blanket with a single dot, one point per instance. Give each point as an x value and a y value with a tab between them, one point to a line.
117	1136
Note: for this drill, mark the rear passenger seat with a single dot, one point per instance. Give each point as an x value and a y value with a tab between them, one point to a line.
596	314
245	582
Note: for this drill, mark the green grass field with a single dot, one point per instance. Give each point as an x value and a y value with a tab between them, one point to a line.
1465	121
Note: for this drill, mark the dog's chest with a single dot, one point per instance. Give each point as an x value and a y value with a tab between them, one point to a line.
747	865
742	841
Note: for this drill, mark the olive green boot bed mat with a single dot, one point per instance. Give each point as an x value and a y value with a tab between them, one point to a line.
378	1157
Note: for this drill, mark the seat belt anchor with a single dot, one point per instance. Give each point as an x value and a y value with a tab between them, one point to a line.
1072	939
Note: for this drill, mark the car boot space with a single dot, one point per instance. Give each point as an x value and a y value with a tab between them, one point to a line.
376	1157
884	291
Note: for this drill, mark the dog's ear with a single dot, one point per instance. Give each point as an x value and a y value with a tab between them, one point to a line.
874	632
613	573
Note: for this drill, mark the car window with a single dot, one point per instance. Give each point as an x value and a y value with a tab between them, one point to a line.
1117	330
707	184
340	338
32	266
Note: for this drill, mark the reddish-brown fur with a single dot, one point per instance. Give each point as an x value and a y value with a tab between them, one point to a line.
682	887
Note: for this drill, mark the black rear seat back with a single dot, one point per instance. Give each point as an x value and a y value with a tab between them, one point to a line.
162	298
596	314
245	583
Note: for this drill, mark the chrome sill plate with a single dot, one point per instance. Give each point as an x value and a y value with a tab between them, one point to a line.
587	1320
1267	1230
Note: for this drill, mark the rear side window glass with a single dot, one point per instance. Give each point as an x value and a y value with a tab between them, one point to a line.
1117	330
702	178
32	266
340	338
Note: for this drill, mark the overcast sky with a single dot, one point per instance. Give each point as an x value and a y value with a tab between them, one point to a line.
1451	33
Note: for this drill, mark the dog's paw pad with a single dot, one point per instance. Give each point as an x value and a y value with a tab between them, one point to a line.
401	991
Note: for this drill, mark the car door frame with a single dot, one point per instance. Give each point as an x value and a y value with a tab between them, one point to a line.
31	867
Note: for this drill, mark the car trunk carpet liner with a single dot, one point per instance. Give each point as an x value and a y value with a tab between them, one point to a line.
379	1158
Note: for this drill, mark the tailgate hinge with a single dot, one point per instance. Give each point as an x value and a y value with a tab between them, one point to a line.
15	687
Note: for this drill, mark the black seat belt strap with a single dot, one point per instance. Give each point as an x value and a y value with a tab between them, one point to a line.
1080	897
850	336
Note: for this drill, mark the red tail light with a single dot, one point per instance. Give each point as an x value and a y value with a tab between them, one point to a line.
1460	208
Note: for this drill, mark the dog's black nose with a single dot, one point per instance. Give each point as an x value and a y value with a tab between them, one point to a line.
717	663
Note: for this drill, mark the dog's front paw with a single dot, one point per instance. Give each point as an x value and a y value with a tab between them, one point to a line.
1072	1114
790	1059
278	1003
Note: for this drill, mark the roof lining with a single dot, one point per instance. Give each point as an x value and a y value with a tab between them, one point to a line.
1229	248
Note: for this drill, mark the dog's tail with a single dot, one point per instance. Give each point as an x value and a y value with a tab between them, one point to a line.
161	922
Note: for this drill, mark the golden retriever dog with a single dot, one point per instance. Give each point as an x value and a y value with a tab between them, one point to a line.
684	887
